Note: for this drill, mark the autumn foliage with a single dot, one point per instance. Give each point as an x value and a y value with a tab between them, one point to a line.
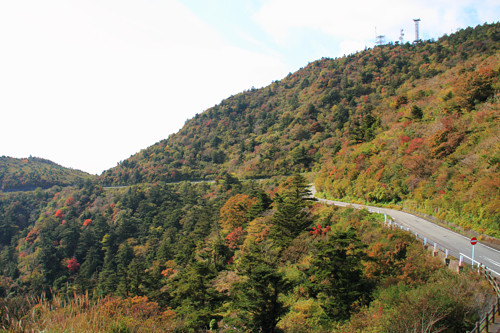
72	265
235	211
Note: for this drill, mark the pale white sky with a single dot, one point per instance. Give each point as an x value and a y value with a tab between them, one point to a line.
88	83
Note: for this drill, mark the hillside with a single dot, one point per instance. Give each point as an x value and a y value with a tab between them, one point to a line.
240	256
413	124
27	174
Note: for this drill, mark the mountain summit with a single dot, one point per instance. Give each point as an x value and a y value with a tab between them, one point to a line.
396	123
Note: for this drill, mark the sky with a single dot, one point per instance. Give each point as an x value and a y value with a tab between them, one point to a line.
87	84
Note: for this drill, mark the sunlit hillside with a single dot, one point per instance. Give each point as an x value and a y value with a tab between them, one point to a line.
19	174
412	124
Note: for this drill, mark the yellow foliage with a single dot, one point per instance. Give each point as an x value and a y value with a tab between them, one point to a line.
234	213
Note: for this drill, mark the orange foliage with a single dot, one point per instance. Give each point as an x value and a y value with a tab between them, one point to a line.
70	201
87	222
59	214
137	307
32	235
234	213
319	231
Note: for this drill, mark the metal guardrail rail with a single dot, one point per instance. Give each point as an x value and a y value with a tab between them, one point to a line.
484	324
488	319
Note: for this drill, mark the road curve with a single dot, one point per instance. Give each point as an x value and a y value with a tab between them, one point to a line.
456	243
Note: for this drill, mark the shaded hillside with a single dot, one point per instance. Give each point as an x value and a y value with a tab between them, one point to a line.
416	123
240	256
29	173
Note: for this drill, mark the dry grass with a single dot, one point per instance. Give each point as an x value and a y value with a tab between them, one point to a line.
85	313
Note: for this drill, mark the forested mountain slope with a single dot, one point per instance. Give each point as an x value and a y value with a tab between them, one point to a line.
18	174
413	123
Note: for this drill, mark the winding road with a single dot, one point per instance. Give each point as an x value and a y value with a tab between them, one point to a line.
445	239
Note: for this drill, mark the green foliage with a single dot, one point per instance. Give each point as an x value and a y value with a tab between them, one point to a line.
387	125
258	297
292	214
30	173
324	116
336	274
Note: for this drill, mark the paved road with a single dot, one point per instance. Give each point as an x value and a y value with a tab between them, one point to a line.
446	239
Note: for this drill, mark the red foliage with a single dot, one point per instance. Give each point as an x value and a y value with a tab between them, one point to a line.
318	230
234	239
59	214
414	145
405	139
70	201
87	222
72	265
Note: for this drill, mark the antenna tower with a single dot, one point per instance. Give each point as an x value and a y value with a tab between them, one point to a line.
401	39
417	38
379	39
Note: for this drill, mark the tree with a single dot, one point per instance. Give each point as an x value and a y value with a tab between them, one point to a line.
336	275
257	294
72	264
416	112
194	293
292	215
235	212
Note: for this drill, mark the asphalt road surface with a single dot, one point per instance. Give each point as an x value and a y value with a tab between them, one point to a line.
455	243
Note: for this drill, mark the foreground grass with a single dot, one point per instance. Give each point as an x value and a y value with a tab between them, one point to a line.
83	313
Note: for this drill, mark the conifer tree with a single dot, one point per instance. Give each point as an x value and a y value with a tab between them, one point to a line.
292	215
336	275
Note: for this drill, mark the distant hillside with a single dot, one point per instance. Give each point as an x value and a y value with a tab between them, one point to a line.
415	123
29	173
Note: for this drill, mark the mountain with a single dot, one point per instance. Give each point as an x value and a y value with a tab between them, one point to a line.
18	174
412	124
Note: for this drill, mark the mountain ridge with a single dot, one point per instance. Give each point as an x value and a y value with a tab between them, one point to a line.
414	106
21	174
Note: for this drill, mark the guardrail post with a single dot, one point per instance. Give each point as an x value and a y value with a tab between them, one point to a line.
487	321
446	253
460	261
425	240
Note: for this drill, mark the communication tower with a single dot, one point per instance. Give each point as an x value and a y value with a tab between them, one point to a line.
401	37
417	38
379	39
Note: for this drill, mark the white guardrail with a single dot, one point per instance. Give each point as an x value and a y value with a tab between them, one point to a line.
436	246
